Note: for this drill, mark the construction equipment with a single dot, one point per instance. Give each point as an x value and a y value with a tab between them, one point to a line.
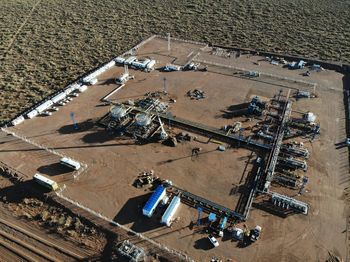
237	234
196	94
145	178
246	231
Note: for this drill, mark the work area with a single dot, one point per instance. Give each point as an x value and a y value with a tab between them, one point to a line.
204	150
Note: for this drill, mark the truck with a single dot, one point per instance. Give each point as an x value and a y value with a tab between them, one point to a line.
255	234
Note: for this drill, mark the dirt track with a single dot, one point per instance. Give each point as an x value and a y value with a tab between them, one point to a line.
45	44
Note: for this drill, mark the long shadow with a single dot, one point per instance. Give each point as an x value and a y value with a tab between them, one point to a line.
203	244
131	212
82	127
67	147
235	110
184	157
268	207
100	136
54	169
110	81
346	90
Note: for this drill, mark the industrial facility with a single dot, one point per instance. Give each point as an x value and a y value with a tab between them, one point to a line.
231	139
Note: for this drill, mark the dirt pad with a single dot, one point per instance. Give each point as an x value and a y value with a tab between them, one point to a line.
113	162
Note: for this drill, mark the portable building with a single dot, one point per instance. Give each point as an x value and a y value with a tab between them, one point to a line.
32	113
109	64
129	60
83	88
70	163
46	182
17	120
58	97
153	201
119	60
44	106
138	65
92	81
170	211
71	88
150	65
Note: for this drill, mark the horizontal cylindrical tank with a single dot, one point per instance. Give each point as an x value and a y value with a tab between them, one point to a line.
170	211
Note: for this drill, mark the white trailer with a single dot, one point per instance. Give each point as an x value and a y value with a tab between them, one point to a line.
150	65
58	97
129	60
170	211
70	163
17	120
119	60
44	106
83	88
32	114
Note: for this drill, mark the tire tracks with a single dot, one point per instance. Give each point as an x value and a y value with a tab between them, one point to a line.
13	39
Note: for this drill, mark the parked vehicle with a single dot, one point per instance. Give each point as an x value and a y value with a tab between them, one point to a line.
255	234
213	241
237	234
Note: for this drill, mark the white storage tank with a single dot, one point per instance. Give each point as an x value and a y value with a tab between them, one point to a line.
118	112
170	211
143	119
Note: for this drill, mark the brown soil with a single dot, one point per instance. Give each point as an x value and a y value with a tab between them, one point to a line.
114	163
